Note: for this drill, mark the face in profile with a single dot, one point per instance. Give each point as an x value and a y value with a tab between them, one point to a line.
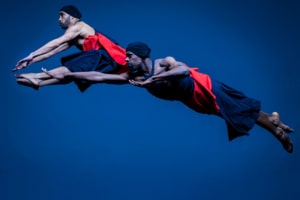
64	19
133	61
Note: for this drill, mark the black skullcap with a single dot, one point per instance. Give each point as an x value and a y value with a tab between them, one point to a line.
71	10
140	49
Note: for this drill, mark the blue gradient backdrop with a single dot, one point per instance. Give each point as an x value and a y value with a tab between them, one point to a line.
119	142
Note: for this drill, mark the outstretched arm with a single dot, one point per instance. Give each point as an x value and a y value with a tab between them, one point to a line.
49	49
57	50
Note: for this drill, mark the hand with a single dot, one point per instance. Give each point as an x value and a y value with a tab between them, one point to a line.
143	83
53	75
23	63
137	83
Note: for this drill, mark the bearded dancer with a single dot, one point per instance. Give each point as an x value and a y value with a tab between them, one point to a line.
173	80
99	53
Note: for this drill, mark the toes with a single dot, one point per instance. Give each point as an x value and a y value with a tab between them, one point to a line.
284	139
276	121
288	145
280	134
286	128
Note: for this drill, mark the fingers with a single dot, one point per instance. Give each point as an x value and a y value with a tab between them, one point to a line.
20	65
15	69
132	82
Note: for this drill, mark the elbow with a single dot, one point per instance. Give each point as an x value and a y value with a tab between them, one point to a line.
186	71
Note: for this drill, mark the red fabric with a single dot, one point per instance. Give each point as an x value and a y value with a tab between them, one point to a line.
203	100
97	41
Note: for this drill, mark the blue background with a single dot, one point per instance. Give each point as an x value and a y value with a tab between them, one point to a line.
119	142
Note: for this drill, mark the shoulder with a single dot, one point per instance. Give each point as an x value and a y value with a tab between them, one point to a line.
168	61
81	29
170	58
79	26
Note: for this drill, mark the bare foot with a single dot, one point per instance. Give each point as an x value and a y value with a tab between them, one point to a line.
30	77
276	121
284	139
28	83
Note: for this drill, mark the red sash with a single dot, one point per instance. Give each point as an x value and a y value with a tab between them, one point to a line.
203	100
97	41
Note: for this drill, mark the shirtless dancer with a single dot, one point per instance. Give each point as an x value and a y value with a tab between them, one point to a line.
172	80
98	53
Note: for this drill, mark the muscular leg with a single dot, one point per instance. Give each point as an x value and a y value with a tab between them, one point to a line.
273	124
35	80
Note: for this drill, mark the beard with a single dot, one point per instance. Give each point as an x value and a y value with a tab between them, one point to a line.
129	65
135	67
64	25
132	67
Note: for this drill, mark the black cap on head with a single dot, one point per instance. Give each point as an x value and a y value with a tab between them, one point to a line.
140	49
71	10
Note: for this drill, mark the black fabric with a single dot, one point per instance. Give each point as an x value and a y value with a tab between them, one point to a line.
174	89
92	60
239	111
